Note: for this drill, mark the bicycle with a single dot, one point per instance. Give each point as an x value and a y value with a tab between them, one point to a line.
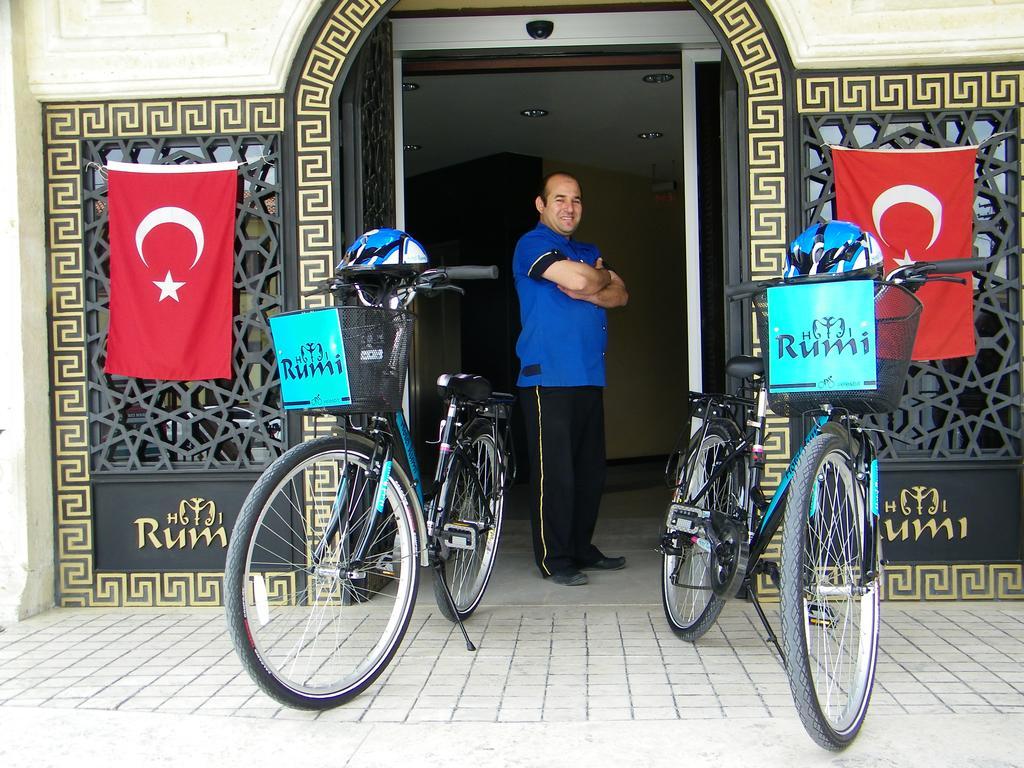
322	568
720	522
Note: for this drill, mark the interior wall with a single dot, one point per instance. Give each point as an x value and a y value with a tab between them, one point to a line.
642	237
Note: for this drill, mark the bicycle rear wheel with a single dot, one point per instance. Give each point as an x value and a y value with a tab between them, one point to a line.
474	498
830	593
690	604
312	623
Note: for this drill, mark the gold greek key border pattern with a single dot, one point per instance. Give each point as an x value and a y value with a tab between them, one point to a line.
66	126
933	582
909	91
316	142
916	582
765	165
958	581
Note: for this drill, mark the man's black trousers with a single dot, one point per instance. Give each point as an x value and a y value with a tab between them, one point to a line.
565	439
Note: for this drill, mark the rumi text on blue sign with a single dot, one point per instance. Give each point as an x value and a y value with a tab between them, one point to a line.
311	359
821	336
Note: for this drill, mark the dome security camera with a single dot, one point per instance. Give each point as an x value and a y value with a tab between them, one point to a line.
540	29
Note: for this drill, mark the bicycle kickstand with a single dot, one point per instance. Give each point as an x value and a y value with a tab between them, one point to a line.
451	604
752	593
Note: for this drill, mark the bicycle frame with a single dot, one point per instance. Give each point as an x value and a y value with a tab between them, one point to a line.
382	431
762	527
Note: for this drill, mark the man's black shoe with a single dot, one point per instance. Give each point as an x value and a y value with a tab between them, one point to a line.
607	564
570	578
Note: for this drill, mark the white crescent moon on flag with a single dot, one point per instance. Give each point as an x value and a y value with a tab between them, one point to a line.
908	193
170	215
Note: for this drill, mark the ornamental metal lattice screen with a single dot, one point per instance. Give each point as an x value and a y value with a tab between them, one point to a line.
236	424
962	408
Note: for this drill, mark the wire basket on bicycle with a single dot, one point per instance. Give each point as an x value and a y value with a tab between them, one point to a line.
897	312
351	359
823	255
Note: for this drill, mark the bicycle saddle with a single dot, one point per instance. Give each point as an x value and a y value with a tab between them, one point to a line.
467	385
744	366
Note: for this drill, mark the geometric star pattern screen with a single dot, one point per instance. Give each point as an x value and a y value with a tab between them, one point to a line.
962	408
236	424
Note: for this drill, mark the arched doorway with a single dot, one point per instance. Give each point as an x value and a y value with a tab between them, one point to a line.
752	206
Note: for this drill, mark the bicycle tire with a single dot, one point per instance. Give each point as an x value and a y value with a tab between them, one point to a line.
690	604
475	475
829	618
281	607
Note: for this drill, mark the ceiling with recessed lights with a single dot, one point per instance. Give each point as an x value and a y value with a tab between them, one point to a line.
594	117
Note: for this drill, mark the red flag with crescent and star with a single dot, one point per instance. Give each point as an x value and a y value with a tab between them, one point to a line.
919	203
172	233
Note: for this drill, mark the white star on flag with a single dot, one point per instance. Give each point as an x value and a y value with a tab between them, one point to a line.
906	261
168	287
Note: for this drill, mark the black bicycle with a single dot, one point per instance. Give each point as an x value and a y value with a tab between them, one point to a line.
720	521
323	564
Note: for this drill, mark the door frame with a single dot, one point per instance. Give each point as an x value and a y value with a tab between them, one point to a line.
683	30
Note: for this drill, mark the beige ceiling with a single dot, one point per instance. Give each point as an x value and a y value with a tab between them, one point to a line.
594	119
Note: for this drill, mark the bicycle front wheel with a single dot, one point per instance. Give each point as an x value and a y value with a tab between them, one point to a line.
691	606
473	496
321	572
830	593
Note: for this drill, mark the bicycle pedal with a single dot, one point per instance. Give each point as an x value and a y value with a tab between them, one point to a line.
821	615
461	535
386	565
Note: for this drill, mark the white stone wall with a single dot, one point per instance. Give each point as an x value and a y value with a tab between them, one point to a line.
84	49
26	517
87	49
824	34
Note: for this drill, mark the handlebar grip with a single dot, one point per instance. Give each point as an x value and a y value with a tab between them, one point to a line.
956	266
742	290
470	272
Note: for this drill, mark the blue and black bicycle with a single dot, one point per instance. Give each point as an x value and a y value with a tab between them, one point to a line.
323	564
720	521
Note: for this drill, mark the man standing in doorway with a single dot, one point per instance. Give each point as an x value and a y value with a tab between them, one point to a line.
564	289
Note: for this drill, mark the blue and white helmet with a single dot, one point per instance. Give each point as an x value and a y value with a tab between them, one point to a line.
384	247
832	248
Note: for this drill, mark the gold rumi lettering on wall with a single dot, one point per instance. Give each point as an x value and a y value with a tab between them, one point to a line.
921	511
195	523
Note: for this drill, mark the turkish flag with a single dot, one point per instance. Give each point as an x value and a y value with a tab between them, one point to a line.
172	232
919	204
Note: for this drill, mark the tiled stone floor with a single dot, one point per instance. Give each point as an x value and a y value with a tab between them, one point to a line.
534	663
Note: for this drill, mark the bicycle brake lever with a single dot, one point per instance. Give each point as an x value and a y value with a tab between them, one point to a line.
324	287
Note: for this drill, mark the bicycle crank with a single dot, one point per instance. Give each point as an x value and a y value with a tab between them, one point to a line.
729	554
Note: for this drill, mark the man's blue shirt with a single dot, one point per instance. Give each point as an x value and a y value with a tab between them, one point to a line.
563	340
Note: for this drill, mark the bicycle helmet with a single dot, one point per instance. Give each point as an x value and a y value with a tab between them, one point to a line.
384	248
831	248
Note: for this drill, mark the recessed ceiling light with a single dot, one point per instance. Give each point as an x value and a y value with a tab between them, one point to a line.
413	147
658	77
408	85
534	112
650	135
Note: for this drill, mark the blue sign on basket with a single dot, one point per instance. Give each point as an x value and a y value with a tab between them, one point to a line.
311	359
821	336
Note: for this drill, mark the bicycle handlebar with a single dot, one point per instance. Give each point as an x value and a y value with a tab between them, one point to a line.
952	266
472	272
912	276
396	287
